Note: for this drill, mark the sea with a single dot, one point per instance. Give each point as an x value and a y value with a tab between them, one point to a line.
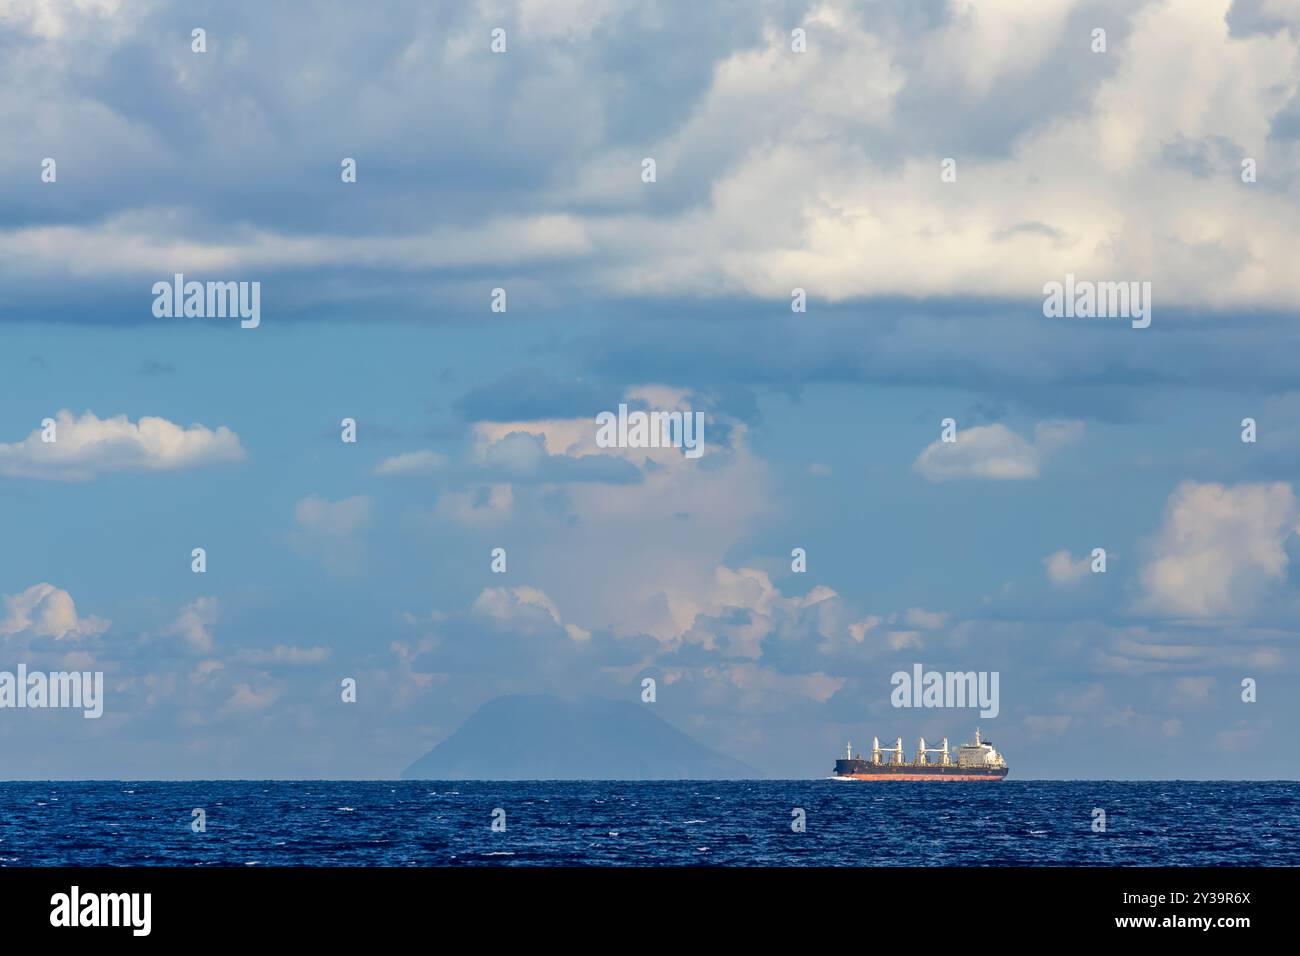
824	822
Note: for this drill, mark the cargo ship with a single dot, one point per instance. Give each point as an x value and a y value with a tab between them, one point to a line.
977	761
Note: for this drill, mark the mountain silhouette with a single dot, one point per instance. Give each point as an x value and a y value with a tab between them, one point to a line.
541	737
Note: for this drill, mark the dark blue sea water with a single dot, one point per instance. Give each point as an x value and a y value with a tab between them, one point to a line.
636	824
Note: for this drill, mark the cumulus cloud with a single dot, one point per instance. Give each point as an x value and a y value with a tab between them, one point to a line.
1063	570
194	624
551	445
775	170
1104	155
52	19
1219	549
683	514
740	616
859	630
995	452
516	605
764	151
86	446
44	610
897	631
705	615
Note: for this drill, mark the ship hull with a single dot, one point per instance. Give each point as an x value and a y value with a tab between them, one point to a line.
944	778
861	770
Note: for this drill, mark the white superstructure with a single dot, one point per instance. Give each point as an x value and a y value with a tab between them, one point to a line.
979	754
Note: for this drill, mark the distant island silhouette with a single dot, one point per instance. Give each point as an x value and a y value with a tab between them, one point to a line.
542	737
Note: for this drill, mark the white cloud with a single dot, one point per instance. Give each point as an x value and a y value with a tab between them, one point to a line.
859	630
134	244
505	605
898	640
899	631
46	611
85	446
704	615
683	515
799	212
780	144
995	452
194	625
1063	570
576	437
1219	549
500	603
411	463
989	39
51	19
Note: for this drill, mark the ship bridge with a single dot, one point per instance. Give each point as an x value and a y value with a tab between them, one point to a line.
979	754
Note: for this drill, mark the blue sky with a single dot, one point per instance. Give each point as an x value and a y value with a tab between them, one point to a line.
775	170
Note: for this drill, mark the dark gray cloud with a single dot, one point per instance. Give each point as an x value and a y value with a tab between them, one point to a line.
1006	350
1247	18
532	395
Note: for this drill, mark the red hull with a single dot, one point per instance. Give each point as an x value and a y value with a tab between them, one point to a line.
918	776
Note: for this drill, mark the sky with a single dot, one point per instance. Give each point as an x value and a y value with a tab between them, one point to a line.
921	169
